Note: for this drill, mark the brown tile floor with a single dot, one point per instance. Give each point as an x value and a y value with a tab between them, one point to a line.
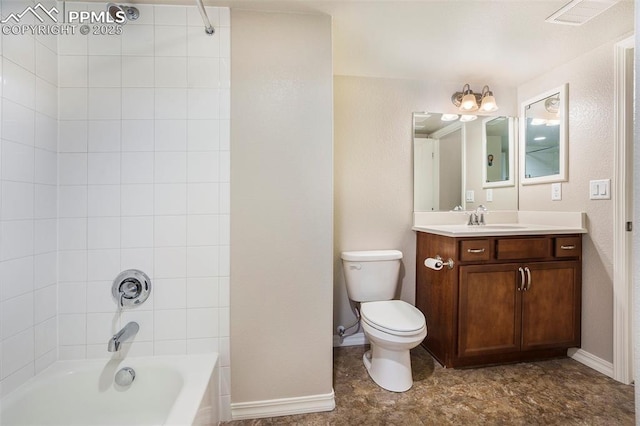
556	392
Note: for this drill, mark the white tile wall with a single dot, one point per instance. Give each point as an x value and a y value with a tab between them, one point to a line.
143	172
114	155
28	205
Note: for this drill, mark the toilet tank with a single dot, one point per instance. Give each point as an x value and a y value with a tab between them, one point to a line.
371	275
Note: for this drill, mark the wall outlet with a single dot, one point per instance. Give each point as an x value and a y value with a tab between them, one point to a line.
489	195
556	191
471	196
600	189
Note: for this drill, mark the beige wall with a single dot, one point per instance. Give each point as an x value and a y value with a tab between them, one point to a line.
281	206
374	168
591	104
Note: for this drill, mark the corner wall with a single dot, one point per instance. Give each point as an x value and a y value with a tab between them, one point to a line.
282	207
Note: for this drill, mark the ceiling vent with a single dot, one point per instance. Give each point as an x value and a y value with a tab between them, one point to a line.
577	12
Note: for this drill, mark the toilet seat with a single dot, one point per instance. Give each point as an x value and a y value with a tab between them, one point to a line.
393	317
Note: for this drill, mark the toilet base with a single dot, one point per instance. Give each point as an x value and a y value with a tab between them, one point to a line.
391	370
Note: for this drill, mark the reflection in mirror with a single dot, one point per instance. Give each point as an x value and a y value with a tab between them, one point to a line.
438	162
497	144
450	163
544	154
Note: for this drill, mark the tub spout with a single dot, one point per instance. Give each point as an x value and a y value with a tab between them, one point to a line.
127	332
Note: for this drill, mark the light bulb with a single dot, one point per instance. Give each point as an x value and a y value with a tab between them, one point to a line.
488	103
468	102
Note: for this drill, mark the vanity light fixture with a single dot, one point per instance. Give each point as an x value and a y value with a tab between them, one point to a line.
467	100
465	118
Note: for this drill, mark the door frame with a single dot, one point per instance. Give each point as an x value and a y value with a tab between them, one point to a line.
623	199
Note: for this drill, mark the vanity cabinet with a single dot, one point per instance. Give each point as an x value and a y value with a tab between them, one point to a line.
506	299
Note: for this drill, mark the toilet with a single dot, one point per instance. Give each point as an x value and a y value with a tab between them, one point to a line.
393	327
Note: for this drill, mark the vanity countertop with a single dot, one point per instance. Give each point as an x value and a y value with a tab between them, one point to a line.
498	230
501	223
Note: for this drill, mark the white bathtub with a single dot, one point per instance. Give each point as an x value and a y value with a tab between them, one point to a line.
167	390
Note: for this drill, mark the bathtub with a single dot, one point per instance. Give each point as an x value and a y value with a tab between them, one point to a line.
167	390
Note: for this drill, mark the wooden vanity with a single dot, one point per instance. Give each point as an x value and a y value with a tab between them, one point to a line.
508	298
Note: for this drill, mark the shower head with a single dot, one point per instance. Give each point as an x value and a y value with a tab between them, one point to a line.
121	13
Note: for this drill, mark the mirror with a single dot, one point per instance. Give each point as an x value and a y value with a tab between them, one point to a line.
497	149
544	139
437	162
450	162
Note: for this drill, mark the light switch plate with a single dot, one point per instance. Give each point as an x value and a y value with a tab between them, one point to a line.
556	191
471	197
489	195
600	189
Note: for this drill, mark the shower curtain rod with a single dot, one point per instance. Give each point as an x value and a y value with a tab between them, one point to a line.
208	28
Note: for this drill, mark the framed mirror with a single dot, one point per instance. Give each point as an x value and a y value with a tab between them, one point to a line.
544	141
498	145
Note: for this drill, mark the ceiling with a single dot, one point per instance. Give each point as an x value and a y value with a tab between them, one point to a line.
505	42
495	42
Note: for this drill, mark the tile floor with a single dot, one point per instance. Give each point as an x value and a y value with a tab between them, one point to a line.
556	392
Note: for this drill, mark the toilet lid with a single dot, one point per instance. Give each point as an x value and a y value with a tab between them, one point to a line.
393	315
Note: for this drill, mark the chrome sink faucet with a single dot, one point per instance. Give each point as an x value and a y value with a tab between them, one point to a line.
476	218
127	332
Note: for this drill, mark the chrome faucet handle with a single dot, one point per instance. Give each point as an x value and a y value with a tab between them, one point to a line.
473	219
131	288
481	210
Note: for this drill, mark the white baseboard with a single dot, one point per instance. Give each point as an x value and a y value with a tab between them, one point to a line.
592	361
353	340
283	407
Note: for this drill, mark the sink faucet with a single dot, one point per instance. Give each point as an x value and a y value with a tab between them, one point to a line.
127	332
476	217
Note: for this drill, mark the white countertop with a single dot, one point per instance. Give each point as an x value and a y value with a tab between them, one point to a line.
501	223
497	230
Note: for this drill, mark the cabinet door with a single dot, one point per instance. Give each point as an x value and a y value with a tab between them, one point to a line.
551	306
489	310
